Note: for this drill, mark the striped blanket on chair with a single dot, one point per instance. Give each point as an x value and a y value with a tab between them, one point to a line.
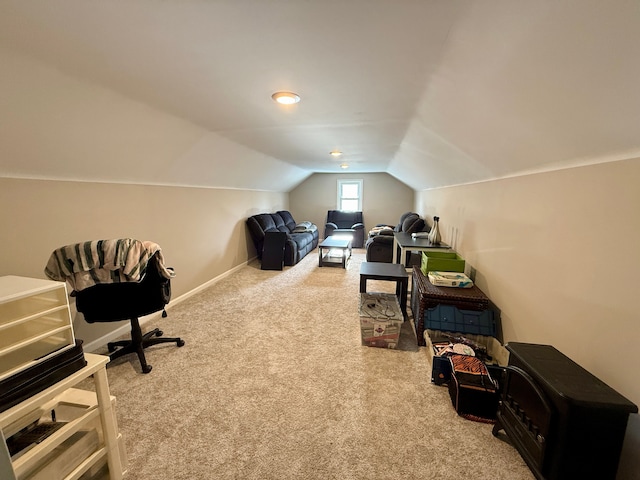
85	264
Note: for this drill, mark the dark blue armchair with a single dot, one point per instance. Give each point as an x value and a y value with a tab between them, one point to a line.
339	221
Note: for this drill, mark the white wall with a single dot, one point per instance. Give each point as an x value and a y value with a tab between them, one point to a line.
59	126
558	254
384	198
202	231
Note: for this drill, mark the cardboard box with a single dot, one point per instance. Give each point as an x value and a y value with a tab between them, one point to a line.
441	261
441	367
380	320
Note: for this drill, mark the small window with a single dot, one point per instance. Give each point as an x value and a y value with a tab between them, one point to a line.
350	195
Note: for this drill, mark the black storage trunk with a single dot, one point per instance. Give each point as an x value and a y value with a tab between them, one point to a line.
473	392
37	378
112	302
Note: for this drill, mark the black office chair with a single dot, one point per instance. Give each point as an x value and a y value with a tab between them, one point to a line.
122	300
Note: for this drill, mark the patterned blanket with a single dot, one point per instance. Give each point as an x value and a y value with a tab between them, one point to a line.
85	264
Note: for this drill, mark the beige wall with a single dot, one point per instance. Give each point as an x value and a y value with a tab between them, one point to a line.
384	198
536	244
202	231
558	254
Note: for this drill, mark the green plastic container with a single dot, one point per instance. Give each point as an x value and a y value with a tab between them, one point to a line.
441	262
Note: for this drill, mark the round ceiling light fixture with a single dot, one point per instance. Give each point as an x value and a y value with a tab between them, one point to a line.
344	166
286	98
335	153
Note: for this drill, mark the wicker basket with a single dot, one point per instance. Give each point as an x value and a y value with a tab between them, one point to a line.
425	295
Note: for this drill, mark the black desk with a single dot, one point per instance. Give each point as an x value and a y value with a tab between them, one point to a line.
392	272
404	241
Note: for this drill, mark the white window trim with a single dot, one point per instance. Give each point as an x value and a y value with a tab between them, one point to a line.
359	182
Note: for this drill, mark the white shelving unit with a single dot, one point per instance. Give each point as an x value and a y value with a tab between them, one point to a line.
35	322
93	408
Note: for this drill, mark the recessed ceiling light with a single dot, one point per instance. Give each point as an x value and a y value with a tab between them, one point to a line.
335	153
344	166
286	98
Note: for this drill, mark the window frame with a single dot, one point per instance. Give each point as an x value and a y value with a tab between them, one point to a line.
340	198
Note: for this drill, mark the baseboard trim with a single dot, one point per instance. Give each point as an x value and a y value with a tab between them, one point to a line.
125	329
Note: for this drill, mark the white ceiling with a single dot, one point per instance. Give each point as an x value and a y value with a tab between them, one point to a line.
434	92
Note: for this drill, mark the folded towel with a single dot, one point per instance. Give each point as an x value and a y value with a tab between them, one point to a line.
303	227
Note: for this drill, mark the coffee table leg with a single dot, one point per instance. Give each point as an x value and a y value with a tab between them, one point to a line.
319	256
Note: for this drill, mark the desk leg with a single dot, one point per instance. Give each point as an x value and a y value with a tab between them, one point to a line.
107	416
395	250
401	292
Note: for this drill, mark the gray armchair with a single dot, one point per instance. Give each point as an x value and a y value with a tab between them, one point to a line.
380	244
339	221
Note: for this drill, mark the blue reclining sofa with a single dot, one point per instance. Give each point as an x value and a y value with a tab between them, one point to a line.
301	237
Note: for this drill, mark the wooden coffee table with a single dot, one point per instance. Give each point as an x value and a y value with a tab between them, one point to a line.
340	242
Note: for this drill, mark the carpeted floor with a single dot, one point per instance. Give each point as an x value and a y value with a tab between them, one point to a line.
273	383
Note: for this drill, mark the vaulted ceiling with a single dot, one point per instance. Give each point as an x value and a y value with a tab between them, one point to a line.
433	92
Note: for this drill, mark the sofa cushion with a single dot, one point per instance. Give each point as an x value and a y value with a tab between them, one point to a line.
344	219
302	239
402	219
259	224
287	218
412	223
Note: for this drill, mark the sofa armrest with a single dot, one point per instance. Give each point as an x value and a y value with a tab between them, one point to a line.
357	226
382	239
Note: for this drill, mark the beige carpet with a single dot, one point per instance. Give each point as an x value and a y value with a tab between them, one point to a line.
273	383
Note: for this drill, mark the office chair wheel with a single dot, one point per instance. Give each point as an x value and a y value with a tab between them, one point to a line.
180	343
159	333
146	368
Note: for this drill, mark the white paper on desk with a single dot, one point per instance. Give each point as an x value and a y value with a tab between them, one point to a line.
450	279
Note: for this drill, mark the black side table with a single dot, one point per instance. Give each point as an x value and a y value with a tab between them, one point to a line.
392	272
273	250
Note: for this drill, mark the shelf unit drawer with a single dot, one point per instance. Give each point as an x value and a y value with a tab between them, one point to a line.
24	332
32	305
35	322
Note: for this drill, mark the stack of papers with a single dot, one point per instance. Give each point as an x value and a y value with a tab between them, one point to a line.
450	279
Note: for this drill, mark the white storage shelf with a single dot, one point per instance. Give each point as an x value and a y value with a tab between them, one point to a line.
35	322
89	410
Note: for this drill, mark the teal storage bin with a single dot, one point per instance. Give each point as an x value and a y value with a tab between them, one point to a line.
441	262
449	318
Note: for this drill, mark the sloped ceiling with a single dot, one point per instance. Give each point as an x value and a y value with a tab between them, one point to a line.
435	93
